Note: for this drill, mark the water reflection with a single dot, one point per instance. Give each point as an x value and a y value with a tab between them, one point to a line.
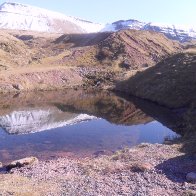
36	120
48	124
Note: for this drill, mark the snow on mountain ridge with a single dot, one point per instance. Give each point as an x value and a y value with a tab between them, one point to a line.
124	24
181	33
25	17
166	25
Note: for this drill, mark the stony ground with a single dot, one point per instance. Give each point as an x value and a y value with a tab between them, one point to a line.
143	170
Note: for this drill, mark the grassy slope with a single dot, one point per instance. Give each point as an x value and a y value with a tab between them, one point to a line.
172	82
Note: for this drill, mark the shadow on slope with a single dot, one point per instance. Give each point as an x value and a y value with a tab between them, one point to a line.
81	40
171	83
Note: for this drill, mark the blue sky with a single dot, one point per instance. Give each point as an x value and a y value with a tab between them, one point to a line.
103	11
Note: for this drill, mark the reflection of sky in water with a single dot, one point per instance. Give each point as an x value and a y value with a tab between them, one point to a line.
84	137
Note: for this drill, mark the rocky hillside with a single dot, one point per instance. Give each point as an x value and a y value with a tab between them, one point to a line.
171	83
48	61
135	49
129	49
12	52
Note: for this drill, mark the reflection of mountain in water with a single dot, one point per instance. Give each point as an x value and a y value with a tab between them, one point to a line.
24	113
35	120
108	106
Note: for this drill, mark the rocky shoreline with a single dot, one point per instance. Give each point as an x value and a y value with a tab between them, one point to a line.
147	169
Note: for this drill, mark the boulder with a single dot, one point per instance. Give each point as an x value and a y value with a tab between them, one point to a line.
22	162
191	177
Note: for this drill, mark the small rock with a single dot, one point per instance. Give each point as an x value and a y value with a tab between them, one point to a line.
1	165
102	152
191	177
17	86
141	167
22	162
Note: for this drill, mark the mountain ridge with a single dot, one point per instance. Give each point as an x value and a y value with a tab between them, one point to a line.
19	16
180	33
25	17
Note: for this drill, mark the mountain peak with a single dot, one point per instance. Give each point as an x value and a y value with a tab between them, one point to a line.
19	8
26	17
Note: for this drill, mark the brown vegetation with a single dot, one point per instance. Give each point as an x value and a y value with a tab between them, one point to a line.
35	61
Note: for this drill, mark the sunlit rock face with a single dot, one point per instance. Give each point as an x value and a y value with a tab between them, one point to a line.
36	120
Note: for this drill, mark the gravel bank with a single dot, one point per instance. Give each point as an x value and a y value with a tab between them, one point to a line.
163	173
